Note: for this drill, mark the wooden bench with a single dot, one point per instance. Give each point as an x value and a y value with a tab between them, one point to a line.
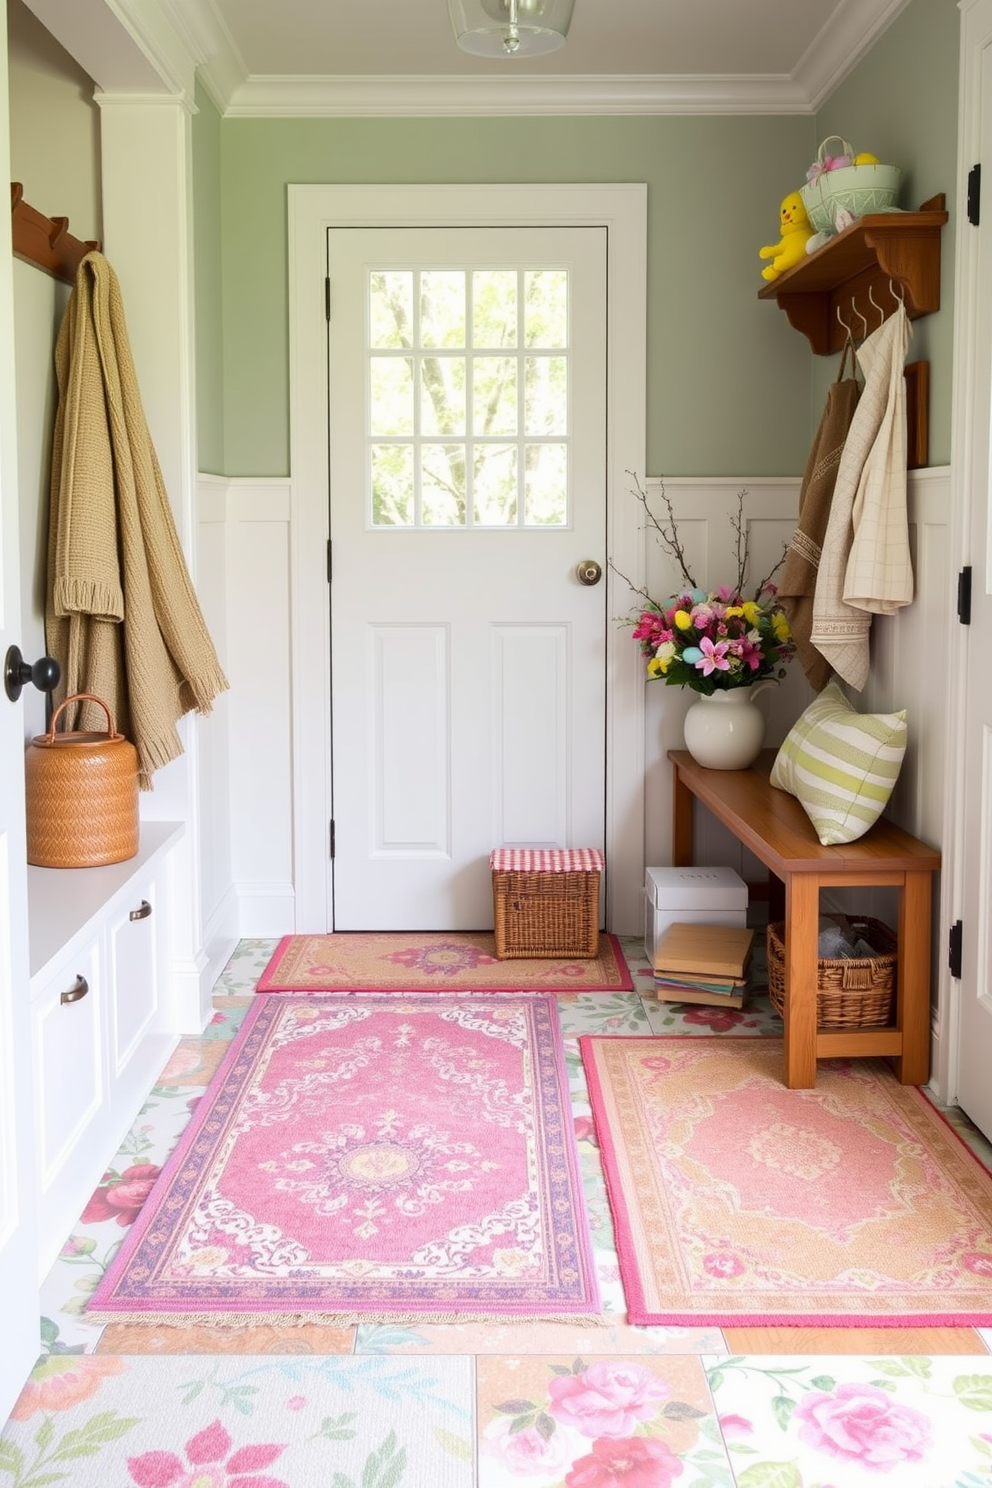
773	826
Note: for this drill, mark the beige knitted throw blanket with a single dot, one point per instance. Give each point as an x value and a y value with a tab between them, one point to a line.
797	584
121	618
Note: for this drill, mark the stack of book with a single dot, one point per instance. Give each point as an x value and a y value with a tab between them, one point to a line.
703	963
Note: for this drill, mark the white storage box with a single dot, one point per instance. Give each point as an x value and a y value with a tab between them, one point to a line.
691	896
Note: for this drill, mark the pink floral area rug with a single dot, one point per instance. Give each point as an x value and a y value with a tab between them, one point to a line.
446	961
737	1201
369	1159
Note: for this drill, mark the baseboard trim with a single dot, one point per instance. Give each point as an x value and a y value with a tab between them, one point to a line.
266	910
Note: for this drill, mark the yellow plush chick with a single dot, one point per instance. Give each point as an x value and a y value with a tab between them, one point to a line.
791	248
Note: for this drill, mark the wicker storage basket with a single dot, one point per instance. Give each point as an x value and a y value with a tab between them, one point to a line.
81	795
855	993
546	903
858	188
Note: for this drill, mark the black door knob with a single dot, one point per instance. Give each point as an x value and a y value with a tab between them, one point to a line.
17	673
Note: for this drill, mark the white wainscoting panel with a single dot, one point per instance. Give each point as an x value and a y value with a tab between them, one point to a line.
218	904
260	780
705	512
530	786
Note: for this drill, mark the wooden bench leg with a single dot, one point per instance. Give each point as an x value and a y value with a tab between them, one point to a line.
681	822
913	979
802	917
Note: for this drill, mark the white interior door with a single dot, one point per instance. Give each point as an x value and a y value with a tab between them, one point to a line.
975	1057
18	1251
467	413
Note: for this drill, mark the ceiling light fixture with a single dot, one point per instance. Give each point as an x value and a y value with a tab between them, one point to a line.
510	28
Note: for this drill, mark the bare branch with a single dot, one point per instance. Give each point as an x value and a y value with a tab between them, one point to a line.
668	536
768	577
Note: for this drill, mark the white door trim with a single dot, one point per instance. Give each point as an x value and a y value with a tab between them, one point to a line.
969	461
622	210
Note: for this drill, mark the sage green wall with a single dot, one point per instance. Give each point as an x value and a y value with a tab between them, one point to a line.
728	380
207	287
901	103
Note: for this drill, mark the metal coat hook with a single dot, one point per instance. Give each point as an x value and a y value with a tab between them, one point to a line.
899	299
857	312
872	300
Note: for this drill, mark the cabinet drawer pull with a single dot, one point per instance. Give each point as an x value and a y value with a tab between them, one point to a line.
141	913
78	990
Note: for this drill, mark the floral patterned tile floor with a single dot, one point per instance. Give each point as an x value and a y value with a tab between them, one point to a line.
475	1406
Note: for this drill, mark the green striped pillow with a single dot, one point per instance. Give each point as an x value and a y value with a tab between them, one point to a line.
841	765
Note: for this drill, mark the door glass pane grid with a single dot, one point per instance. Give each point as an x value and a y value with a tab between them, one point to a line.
467	385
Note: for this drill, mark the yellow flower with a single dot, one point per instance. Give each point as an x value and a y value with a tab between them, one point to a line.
752	611
683	619
734	610
657	667
781	627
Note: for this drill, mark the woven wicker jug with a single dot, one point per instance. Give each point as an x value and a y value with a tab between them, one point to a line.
82	795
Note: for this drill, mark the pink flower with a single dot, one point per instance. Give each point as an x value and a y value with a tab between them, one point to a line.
296	1402
585	1130
607	1399
723	1263
638	1462
61	1381
528	1454
861	1423
714	657
721	1020
121	1195
735	1428
208	1450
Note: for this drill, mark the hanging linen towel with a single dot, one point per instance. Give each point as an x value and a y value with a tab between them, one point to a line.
121	615
840	630
797	585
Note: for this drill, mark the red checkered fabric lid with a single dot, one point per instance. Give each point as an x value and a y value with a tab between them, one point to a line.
547	860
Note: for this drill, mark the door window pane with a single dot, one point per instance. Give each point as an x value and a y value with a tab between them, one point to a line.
442	395
495	485
442	485
391	400
546	485
442	307
392	485
494	309
545	395
546	312
494	395
391	308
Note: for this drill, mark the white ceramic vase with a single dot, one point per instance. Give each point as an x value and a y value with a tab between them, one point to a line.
726	730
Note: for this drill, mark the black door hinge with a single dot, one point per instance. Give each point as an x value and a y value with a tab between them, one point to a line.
974	194
328	560
954	949
331	837
327	299
964	595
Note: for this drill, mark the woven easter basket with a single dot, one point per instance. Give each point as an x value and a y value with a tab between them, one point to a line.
81	801
850	993
859	189
545	913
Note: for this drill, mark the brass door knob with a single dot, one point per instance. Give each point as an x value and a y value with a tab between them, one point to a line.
588	572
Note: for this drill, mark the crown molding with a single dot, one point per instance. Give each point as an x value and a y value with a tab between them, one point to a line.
447	96
851	32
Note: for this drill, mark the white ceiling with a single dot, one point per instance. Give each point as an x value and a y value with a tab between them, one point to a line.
622	56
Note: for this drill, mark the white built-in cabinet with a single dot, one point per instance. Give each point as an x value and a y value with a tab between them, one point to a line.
101	1020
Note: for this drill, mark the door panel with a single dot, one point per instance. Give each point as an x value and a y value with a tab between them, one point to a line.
467	481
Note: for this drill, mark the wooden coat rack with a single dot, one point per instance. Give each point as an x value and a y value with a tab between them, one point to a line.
44	241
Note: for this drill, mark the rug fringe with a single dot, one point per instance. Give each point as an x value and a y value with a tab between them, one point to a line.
337	1319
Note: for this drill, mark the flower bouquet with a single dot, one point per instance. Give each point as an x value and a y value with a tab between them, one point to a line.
711	640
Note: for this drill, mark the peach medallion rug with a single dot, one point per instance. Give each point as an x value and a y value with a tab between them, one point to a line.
737	1201
443	961
369	1158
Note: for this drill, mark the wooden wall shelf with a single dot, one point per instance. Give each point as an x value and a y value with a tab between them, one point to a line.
856	267
44	241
